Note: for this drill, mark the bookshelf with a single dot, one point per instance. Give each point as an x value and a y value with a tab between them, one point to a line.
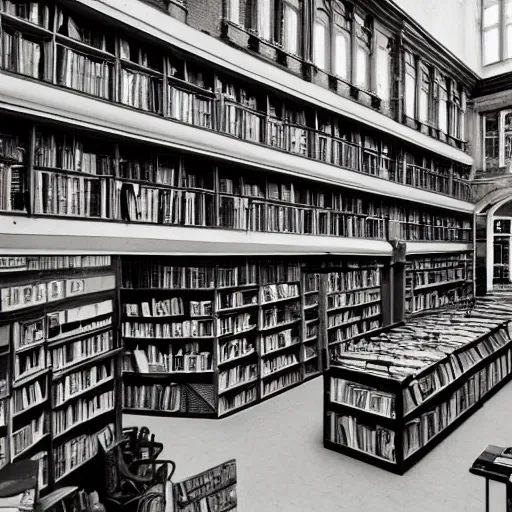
390	399
79	174
71	48
436	281
210	490
237	336
58	340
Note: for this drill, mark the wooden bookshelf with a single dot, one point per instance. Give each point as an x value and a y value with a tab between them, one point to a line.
435	281
63	46
390	399
253	342
58	318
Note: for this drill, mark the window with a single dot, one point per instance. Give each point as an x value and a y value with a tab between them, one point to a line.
497	141
234	11
442	109
363	28
496	30
342	43
425	97
491	141
455	110
321	39
264	16
291	24
410	85
383	71
505	141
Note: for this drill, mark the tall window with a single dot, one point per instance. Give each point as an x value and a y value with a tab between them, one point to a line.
321	39
496	30
497	141
234	11
455	110
442	108
383	71
410	85
363	28
291	25
491	141
342	42
265	10
425	94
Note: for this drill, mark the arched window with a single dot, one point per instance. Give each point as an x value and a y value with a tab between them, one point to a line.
342	47
322	36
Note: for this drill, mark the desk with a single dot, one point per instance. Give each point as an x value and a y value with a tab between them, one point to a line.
484	466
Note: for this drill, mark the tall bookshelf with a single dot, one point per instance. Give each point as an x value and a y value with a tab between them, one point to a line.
79	51
58	326
390	399
239	337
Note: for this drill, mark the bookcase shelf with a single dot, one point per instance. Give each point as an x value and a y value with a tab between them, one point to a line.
58	391
105	61
389	399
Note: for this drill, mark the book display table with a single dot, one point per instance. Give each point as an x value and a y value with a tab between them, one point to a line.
389	399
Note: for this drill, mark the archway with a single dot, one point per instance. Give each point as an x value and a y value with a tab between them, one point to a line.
493	237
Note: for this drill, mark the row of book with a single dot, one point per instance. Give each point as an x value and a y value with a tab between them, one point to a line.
50	263
280	315
81	411
276	292
351	432
352	280
235	324
340	335
28	396
285	380
233	377
152	359
278	363
13	187
29	362
362	397
185	329
154	397
234	349
425	427
69	354
146	274
29	435
191	108
353	298
232	401
76	452
350	316
233	300
76	383
141	91
422	301
279	340
29	295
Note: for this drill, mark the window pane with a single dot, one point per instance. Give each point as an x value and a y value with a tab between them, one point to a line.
320	45
383	71
508	42
491	15
341	57
264	19
491	141
234	11
291	29
491	46
363	68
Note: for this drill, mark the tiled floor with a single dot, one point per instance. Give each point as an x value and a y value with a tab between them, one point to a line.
283	467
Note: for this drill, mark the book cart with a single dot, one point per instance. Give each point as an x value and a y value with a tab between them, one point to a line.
391	398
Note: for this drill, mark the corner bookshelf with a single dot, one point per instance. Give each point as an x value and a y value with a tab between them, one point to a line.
58	319
435	281
237	337
390	399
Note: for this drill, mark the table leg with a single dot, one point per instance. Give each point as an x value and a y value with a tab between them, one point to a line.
487	495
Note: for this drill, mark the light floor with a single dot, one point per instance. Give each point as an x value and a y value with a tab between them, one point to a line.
282	465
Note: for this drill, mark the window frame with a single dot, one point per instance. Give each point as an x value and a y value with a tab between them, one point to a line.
484	138
280	24
357	42
380	32
502	24
340	11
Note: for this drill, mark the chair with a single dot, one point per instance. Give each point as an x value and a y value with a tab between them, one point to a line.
129	486
138	444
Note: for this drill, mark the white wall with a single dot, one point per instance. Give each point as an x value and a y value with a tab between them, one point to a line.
454	23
